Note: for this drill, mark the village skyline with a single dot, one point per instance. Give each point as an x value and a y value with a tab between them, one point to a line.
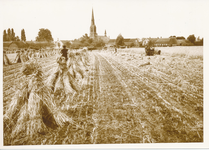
68	20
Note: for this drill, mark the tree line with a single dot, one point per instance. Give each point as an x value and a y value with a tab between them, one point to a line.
43	35
85	41
9	35
191	38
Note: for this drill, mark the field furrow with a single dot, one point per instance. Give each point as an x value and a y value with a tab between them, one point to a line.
150	92
176	94
123	97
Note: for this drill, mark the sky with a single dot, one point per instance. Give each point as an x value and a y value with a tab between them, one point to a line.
71	19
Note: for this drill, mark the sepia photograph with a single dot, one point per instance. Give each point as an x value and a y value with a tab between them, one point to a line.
101	72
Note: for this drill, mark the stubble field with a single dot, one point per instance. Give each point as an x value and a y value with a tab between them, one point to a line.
131	98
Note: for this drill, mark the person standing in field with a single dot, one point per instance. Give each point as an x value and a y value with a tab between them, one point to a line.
64	52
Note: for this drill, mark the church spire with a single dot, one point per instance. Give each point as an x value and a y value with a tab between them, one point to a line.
93	32
92	18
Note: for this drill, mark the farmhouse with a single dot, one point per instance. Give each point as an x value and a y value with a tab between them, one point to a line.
163	42
15	45
6	45
183	42
145	41
172	42
40	45
131	42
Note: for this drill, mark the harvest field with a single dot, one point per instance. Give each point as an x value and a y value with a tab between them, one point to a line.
129	98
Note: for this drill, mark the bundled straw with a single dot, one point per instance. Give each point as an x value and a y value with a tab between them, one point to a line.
6	60
61	79
17	58
25	55
20	57
75	64
31	55
32	106
85	58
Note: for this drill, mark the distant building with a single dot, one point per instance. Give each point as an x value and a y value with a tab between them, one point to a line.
6	45
40	45
93	32
14	45
184	42
163	42
132	42
172	42
111	42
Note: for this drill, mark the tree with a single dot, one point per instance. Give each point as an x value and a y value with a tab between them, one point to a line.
17	38
201	40
13	35
76	44
191	38
150	43
86	40
119	40
173	40
23	38
90	40
132	44
8	34
44	35
98	42
5	35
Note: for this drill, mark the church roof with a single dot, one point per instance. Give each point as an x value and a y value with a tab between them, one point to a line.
104	38
111	42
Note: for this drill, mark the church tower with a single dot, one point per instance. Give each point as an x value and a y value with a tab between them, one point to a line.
93	32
